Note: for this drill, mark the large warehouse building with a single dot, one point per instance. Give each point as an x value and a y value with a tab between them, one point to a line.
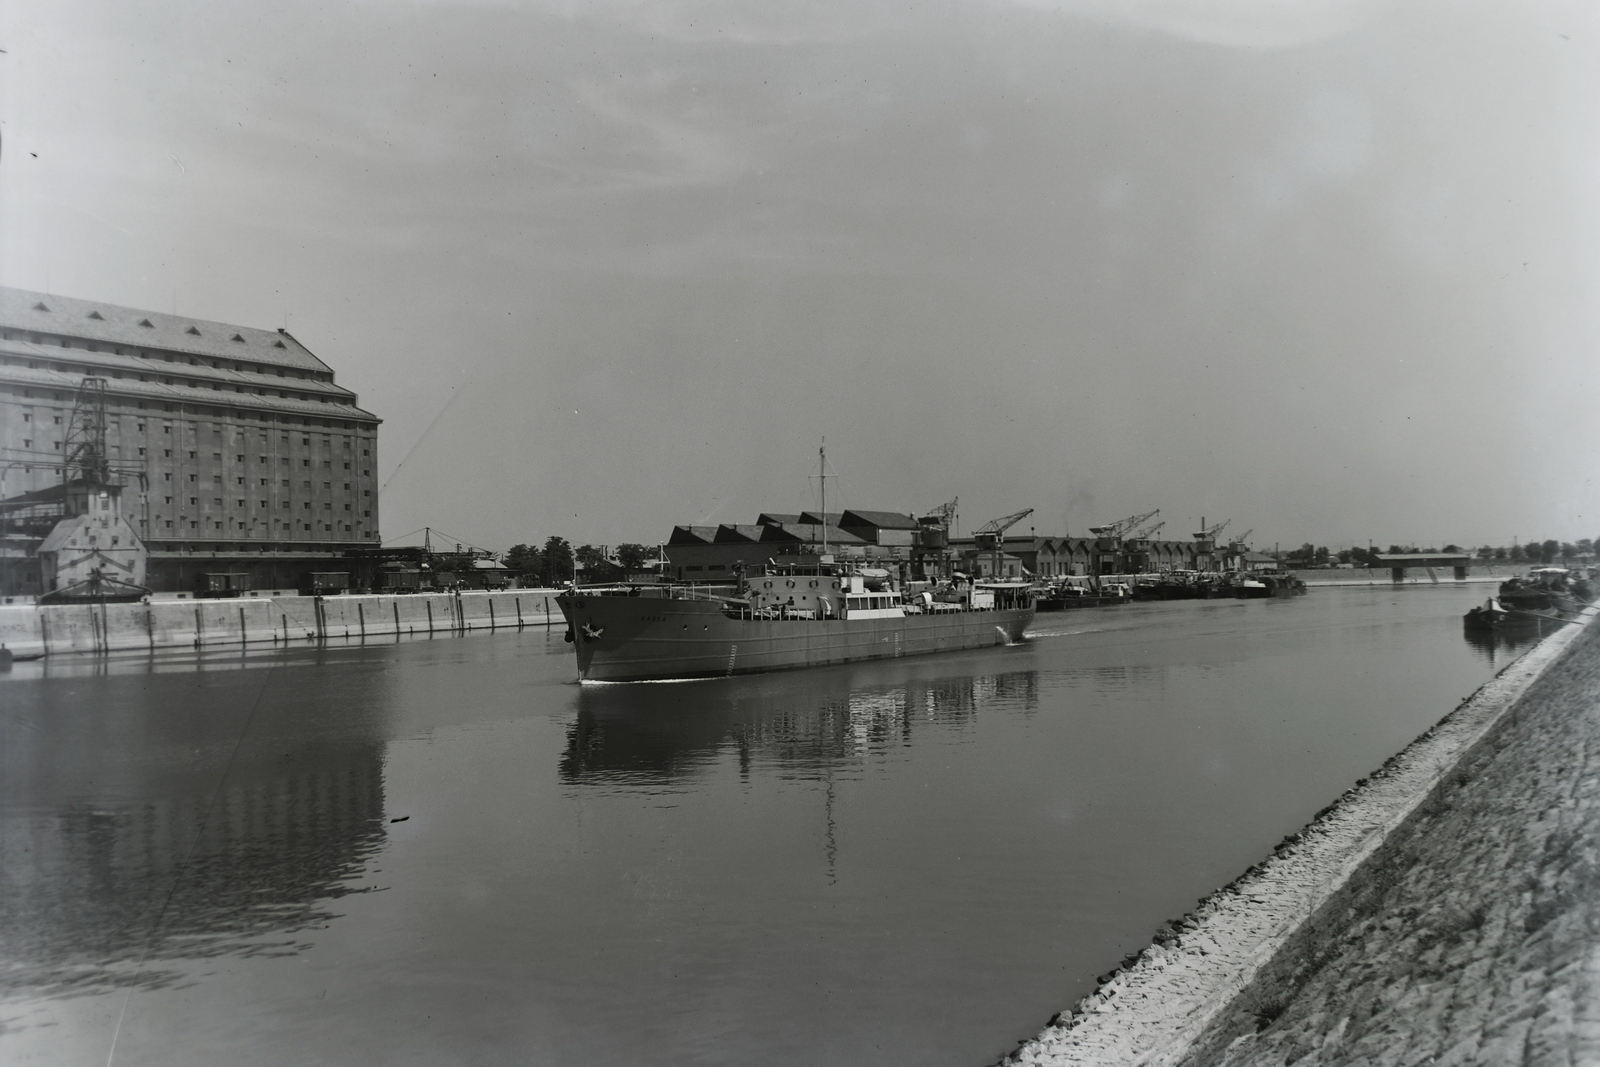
236	449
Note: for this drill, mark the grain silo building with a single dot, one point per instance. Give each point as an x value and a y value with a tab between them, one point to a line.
236	448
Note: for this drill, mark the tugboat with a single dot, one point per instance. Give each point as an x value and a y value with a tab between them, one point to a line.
782	618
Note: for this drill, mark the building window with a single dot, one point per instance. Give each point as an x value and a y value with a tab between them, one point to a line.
26	417
141	451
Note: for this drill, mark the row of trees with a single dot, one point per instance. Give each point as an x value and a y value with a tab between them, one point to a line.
558	562
1308	555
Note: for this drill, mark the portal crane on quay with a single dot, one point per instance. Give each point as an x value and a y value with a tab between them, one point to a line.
1148	532
1116	529
991	535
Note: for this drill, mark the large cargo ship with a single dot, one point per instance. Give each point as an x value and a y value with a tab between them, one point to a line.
781	621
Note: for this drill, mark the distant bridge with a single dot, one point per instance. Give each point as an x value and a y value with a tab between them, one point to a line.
1397	562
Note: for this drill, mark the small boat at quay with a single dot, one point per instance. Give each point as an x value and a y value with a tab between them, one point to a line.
782	618
1488	616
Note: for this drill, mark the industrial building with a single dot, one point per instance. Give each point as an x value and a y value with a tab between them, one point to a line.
234	448
717	553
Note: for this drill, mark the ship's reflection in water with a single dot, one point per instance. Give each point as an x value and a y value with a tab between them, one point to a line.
139	829
1514	637
806	726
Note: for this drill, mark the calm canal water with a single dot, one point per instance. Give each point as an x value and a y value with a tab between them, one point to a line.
910	862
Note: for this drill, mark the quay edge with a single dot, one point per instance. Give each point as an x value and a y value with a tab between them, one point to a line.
1173	1002
30	631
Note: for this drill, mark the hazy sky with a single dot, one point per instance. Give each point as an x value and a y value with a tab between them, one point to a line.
1327	269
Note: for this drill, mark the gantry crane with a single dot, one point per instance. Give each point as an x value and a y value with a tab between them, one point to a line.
1211	534
933	537
991	535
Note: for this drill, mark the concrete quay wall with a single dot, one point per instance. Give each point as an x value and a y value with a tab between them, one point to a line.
1446	909
50	629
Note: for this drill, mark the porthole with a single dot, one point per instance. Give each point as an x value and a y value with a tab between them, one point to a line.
791	583
813	583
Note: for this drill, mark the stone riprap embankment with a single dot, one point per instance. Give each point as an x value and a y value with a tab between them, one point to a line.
1444	910
50	629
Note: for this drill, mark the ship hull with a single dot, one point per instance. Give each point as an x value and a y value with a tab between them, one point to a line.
641	638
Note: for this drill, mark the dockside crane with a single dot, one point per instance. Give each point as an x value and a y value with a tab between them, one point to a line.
1211	534
991	535
1116	529
1148	532
933	537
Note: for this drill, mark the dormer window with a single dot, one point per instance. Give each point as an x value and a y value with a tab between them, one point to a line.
279	344
40	306
97	316
193	331
147	323
236	337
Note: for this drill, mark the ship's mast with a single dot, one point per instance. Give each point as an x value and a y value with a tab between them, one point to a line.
822	476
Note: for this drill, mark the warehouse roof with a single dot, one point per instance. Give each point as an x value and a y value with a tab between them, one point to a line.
66	316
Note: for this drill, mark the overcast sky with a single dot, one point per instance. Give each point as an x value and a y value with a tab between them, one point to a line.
1327	269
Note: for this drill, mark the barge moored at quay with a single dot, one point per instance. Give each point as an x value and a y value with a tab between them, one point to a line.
782	618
